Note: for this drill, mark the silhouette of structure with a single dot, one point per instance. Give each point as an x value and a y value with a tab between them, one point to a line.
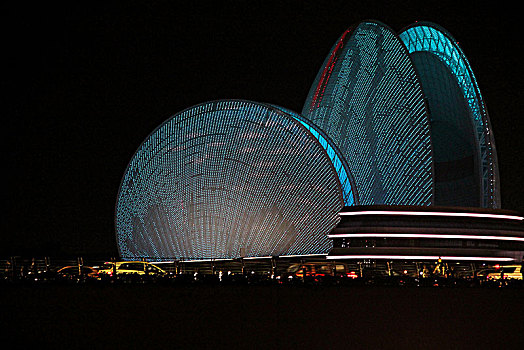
391	119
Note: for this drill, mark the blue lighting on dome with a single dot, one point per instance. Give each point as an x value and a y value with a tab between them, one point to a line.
225	179
235	178
336	158
367	99
429	37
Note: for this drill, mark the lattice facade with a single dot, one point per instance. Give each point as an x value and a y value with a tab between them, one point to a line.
431	46
227	179
368	100
390	119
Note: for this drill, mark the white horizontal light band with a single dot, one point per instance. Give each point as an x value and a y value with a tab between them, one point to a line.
252	258
300	256
431	213
418	257
204	260
422	235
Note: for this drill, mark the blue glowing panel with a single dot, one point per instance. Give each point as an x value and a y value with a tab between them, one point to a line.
339	163
227	179
436	44
368	100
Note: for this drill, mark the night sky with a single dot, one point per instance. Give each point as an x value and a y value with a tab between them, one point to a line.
85	84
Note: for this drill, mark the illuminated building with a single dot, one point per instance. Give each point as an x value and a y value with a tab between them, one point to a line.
464	156
368	100
231	178
391	119
428	233
406	112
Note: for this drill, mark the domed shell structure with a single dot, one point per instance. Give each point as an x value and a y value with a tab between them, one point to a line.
368	100
390	119
226	179
464	154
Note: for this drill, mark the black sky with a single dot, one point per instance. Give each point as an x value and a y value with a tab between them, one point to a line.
85	84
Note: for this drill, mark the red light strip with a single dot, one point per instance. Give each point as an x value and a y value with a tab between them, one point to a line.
326	73
431	213
419	257
423	235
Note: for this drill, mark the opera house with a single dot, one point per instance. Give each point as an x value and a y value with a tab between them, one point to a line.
394	124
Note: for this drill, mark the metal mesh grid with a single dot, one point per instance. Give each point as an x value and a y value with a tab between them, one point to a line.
455	150
226	179
368	100
339	162
428	37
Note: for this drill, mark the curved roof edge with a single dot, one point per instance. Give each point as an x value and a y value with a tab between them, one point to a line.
337	159
315	98
293	115
430	37
211	106
316	91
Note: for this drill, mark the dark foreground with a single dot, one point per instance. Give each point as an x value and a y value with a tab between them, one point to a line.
302	317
